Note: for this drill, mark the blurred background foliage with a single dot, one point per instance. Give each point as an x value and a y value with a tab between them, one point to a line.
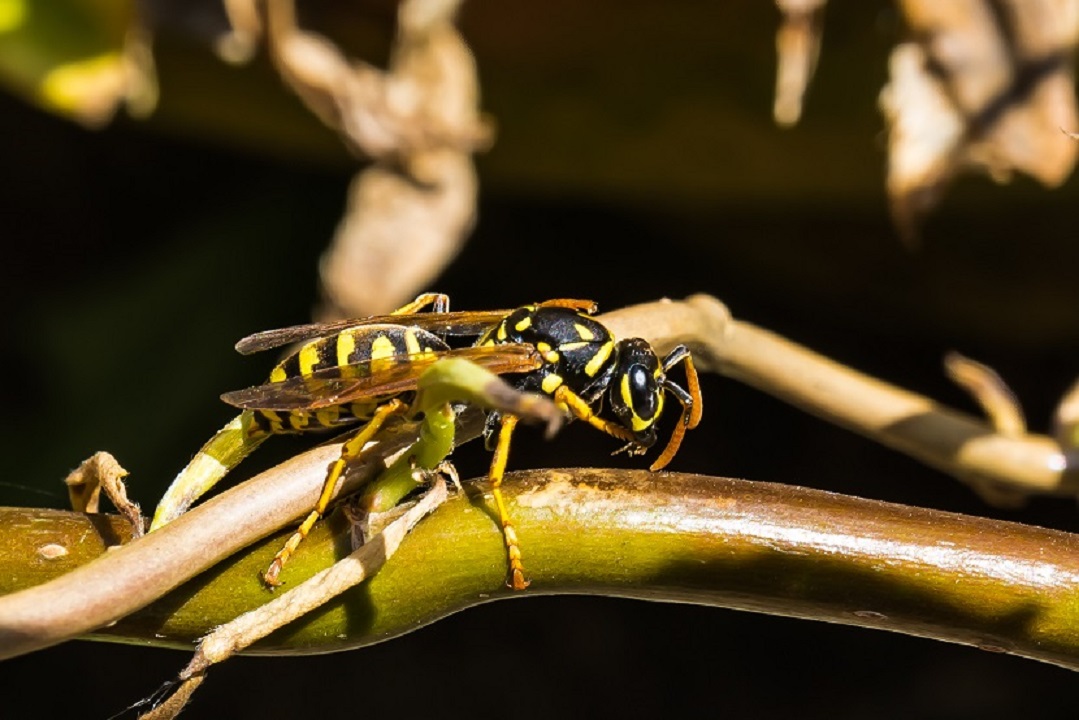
635	157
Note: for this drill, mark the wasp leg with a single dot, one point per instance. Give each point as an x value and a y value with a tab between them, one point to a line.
349	452
588	307
583	411
498	469
438	302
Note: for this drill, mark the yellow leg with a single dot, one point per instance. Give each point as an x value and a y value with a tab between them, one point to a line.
586	306
438	302
349	452
498	468
582	411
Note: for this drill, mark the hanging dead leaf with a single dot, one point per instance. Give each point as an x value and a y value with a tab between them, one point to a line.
798	48
986	86
419	119
397	235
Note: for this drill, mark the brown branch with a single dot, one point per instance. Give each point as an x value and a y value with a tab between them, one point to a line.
956	443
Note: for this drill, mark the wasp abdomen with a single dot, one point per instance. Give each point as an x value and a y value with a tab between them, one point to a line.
365	349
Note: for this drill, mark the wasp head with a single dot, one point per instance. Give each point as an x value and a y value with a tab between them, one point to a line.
636	392
638	389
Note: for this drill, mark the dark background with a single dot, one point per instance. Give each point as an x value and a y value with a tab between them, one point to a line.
135	256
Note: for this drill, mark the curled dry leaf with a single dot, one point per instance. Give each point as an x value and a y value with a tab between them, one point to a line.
420	121
797	48
1005	414
985	86
990	391
239	43
1066	419
101	471
397	235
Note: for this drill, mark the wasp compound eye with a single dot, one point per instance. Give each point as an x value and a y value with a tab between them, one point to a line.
643	393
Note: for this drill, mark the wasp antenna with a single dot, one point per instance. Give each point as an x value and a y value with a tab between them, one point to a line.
672	445
692	399
694	384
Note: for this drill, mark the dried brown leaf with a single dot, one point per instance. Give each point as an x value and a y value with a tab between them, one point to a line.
798	48
985	86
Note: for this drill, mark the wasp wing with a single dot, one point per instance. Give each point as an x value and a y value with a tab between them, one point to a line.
460	323
464	323
374	379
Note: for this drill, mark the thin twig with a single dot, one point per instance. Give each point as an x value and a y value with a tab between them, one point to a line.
133	575
990	392
956	443
233	637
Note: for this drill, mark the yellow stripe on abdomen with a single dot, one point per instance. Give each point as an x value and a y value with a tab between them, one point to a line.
346	345
309	357
382	353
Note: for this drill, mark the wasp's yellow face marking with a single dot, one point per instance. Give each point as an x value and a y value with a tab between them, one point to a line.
309	358
637	422
584	332
346	345
551	383
599	359
623	387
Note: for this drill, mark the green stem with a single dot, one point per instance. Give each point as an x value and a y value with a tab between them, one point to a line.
437	436
681	538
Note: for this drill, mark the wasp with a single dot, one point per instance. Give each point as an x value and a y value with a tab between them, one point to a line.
363	373
364	369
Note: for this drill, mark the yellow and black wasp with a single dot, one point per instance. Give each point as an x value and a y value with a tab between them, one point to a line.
363	370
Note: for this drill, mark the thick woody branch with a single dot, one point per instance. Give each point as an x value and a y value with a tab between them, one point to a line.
674	537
